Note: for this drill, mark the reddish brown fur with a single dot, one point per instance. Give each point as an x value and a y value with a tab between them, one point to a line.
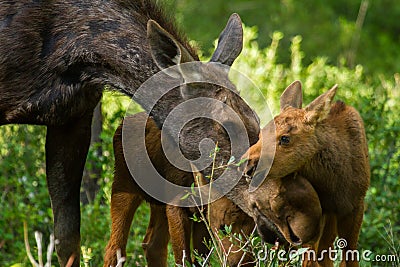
127	196
327	145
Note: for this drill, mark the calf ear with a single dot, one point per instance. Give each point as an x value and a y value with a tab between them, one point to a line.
230	42
165	49
292	96
318	110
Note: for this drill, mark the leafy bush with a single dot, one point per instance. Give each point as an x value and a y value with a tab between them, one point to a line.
334	29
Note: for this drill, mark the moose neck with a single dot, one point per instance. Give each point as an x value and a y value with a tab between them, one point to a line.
327	165
325	151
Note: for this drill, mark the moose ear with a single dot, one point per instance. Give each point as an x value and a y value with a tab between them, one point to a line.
230	42
318	110
292	96
165	49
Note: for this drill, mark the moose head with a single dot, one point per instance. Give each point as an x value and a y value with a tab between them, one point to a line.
293	137
203	103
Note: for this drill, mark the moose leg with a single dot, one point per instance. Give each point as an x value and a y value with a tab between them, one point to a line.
310	256
155	243
200	236
66	151
349	229
325	243
180	231
123	208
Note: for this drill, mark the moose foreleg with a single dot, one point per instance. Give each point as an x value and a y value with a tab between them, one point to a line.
326	242
66	151
349	230
155	243
180	230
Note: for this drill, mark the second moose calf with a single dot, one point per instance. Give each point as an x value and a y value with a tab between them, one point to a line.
325	143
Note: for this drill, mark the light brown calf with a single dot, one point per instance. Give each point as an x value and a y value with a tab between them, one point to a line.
293	209
325	143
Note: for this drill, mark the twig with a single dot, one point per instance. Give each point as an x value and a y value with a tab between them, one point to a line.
120	259
39	239
356	37
50	249
27	247
183	258
70	260
208	257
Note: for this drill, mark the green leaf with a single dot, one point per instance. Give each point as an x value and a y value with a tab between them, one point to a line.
241	162
231	160
186	196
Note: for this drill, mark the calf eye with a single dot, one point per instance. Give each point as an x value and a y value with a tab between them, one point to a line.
284	140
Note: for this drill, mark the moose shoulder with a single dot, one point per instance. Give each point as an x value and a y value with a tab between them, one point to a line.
324	142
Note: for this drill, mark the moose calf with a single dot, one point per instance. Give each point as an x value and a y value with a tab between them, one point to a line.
325	143
293	208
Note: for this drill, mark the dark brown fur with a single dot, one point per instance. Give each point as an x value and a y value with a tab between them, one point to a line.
57	56
325	143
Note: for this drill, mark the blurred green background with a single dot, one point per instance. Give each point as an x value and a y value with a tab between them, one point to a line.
354	43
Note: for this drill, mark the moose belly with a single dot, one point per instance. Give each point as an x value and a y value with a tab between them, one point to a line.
53	107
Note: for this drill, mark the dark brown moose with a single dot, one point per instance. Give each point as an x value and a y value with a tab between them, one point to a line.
57	56
292	206
325	143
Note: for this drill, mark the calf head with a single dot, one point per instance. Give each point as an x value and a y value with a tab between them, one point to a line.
289	206
292	138
285	208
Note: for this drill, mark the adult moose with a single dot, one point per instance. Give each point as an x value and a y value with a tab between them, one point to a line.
289	197
325	143
56	57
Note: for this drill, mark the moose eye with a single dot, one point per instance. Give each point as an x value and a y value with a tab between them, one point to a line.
284	140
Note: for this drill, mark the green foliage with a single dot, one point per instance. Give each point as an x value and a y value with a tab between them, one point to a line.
24	195
377	97
329	28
